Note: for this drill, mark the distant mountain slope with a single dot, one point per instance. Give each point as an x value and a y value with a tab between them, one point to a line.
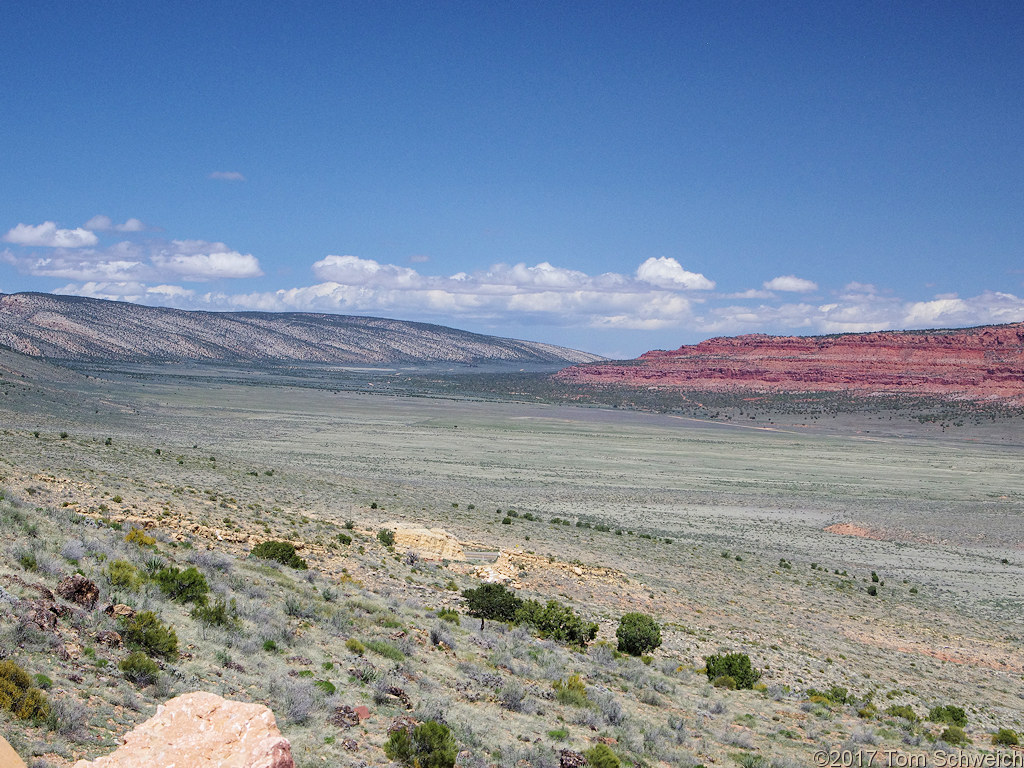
986	362
75	328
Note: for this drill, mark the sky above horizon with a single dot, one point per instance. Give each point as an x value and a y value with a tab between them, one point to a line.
614	177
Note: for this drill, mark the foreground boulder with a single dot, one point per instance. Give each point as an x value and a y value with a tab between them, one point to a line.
202	730
8	757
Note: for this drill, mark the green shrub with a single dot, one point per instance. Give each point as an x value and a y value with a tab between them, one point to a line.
281	551
344	538
492	601
449	615
559	734
1004	737
430	745
872	590
834	695
220	614
139	669
326	686
354	646
734	665
145	632
27	560
269	646
385	649
638	633
557	622
571	691
188	586
386	537
42	681
948	714
18	694
955	736
902	710
123	575
601	756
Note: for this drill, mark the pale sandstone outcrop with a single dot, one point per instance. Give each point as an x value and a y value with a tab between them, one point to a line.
8	757
429	543
202	730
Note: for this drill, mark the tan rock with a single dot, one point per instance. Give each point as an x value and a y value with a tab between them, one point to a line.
8	757
429	543
202	730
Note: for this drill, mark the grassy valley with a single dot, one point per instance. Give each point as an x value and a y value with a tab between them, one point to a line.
868	564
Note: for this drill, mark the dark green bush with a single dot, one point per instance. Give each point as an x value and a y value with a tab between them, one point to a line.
734	665
430	745
145	632
281	551
492	601
1004	737
956	736
557	622
948	714
139	669
18	694
638	633
344	538
386	537
188	586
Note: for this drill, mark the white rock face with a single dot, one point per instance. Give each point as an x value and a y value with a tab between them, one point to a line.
202	730
429	543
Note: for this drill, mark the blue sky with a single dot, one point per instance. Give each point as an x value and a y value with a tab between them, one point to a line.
615	177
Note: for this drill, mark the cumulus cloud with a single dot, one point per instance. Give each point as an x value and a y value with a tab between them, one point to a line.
48	235
791	283
101	223
154	261
666	272
353	270
227	176
199	260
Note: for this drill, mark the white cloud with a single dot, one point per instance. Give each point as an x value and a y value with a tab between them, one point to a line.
158	260
199	260
101	223
227	176
791	283
666	272
353	270
47	235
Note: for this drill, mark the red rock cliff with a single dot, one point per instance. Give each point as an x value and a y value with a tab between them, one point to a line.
976	363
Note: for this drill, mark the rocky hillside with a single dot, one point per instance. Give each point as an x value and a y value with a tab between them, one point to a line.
975	363
76	328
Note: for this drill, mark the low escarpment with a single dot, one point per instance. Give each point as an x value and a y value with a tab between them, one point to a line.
72	328
983	363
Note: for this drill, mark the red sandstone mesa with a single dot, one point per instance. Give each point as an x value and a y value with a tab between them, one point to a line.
974	363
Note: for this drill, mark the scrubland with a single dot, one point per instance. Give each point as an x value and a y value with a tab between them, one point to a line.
716	530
